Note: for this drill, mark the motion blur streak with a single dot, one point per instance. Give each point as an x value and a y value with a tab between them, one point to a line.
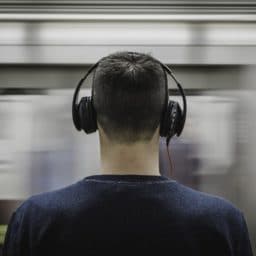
45	48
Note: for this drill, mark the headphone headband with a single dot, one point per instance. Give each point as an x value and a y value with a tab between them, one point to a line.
75	97
182	93
166	69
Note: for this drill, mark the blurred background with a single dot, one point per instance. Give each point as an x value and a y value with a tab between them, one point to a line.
46	47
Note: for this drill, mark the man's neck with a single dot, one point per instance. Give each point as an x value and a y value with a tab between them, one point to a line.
136	159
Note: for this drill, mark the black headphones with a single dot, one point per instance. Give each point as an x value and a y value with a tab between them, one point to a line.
172	120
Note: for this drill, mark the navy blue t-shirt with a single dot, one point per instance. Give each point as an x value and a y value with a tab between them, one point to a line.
127	214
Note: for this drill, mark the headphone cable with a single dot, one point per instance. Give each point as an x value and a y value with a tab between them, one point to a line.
170	162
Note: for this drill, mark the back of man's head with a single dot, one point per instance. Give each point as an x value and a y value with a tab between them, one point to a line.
129	96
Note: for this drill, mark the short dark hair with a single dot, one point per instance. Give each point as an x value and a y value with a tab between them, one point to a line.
129	96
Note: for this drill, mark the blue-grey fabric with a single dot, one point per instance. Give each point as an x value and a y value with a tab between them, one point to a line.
127	215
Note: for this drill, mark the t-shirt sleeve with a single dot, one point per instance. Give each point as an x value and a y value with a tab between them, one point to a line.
15	243
243	247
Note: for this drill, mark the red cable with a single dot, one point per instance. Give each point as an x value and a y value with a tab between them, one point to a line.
170	162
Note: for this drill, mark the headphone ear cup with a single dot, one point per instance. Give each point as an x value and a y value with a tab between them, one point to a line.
172	120
179	120
87	115
75	116
163	123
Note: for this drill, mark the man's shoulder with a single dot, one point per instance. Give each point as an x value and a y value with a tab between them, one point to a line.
208	206
193	203
189	198
52	201
217	218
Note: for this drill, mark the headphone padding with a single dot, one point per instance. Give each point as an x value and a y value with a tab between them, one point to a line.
87	115
75	116
172	120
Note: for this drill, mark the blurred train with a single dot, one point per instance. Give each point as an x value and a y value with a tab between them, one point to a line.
45	48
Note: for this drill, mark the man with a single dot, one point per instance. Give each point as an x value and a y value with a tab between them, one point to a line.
129	208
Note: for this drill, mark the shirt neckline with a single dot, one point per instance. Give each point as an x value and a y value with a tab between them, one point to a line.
133	178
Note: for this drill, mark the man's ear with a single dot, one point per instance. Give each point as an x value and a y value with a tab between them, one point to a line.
102	134
100	129
157	131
